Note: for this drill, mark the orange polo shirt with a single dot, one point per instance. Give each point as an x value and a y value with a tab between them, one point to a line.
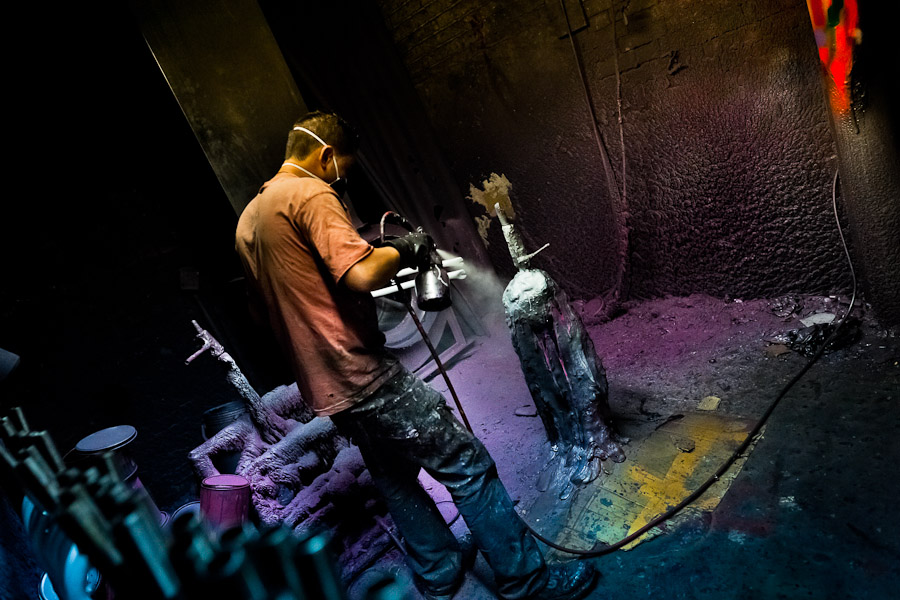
296	242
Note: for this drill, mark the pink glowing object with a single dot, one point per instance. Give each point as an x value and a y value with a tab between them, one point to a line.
225	500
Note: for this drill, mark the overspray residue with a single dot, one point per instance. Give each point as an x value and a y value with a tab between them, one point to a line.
494	190
563	372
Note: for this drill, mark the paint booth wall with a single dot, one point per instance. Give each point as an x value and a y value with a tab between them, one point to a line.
111	256
728	156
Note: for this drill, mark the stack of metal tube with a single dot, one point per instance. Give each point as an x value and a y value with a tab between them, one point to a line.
118	529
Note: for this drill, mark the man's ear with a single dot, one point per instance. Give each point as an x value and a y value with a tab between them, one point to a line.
325	156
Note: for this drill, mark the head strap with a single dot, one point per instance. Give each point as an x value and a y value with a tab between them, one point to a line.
305	130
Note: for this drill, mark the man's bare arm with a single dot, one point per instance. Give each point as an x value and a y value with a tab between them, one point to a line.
374	271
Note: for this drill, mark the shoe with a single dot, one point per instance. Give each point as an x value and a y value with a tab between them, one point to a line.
568	581
469	553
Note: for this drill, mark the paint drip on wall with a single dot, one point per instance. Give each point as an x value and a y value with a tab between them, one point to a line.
495	189
836	27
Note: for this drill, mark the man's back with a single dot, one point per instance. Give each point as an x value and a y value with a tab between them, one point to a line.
296	242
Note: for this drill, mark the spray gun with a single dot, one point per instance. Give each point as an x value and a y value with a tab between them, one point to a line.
432	285
432	281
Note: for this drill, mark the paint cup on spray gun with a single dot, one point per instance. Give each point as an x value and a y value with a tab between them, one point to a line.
224	501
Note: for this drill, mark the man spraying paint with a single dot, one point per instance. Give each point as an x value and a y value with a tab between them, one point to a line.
313	274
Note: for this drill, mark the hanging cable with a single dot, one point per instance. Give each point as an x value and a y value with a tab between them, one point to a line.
618	198
412	313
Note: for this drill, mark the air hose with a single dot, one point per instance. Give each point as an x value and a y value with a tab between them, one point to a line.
412	313
602	549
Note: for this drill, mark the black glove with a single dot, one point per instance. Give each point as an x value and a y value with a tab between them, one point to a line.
414	248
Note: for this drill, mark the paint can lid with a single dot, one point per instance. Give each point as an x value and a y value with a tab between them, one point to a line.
225	482
107	439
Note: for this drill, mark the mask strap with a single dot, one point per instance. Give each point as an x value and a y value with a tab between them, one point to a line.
296	166
337	171
305	130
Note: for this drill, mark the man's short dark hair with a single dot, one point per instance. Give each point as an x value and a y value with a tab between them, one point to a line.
335	131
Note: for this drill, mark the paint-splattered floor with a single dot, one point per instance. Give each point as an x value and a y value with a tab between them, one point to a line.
809	514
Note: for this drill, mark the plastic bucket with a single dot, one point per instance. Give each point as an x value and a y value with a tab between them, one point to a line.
225	500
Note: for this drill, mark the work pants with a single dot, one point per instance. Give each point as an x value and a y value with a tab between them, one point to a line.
406	425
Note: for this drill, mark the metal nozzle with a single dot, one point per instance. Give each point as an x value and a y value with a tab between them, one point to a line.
521	258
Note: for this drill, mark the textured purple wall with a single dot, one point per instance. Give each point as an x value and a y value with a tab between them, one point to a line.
728	154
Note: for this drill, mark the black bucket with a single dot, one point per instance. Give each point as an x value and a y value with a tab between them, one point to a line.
89	451
215	420
219	417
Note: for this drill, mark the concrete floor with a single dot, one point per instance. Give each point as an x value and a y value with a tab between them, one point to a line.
808	515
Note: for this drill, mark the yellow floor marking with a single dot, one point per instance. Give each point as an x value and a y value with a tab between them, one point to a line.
709	403
659	473
663	493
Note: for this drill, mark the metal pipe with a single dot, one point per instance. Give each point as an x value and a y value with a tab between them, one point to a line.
459	274
450	262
